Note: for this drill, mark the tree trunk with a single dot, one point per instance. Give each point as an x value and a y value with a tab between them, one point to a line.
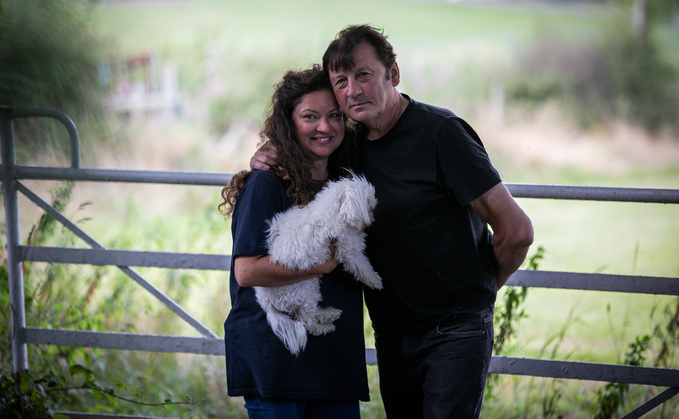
639	19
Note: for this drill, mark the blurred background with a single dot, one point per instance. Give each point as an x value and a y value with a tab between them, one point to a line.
561	92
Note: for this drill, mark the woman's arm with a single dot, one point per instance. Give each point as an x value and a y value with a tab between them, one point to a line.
258	271
261	200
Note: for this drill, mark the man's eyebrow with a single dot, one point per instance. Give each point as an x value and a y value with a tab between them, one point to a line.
364	68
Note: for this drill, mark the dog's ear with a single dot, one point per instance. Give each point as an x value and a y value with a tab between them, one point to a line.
353	205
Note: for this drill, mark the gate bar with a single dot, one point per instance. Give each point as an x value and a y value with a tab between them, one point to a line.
162	297
594	193
657	285
104	257
549	368
518	190
51	113
652	404
125	341
14	271
121	175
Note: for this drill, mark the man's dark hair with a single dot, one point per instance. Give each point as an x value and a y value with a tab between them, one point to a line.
339	55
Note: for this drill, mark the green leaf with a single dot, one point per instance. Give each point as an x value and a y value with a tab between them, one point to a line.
40	391
25	384
119	385
78	369
98	394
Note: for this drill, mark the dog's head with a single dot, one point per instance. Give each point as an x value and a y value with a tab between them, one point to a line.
356	202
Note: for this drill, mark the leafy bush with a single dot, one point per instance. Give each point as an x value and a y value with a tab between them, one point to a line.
101	299
509	311
614	76
643	86
23	396
49	59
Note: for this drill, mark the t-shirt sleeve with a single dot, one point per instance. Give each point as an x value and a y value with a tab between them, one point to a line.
259	200
464	162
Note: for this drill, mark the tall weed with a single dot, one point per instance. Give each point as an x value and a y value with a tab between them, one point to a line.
661	344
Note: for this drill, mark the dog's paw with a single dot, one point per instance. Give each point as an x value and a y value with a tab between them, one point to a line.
329	315
373	281
321	329
323	321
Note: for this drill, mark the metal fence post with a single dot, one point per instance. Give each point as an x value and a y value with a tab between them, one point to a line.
14	264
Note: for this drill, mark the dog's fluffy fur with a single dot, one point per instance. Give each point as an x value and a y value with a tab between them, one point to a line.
300	239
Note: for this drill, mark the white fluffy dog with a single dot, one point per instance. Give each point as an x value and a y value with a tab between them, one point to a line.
300	238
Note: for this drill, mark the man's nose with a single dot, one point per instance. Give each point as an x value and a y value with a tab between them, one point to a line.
353	88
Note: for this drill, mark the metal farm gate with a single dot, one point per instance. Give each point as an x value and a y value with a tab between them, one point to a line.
210	344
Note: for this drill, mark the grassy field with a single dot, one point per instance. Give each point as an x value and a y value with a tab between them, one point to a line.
231	52
252	43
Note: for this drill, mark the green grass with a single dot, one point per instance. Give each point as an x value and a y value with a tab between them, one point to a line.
263	24
438	44
606	237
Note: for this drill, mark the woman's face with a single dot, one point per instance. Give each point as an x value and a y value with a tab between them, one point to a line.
319	123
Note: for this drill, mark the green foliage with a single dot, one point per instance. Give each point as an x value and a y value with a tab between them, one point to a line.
534	92
635	79
47	225
508	314
48	59
5	315
655	11
23	396
616	75
611	397
509	311
60	378
668	336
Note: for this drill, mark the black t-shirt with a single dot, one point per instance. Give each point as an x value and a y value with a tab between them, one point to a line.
430	247
331	367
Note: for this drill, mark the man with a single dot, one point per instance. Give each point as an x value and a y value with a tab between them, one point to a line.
437	193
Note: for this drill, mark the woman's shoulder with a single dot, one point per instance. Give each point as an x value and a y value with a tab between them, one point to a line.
264	178
264	186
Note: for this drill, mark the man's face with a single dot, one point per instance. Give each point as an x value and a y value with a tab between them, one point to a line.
363	92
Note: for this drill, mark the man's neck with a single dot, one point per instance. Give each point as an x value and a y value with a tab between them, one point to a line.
379	129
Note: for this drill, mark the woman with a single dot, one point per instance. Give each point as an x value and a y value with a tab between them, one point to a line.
328	378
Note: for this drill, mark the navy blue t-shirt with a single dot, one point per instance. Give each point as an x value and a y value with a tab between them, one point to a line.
332	366
431	249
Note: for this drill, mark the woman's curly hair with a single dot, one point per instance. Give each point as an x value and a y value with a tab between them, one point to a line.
293	161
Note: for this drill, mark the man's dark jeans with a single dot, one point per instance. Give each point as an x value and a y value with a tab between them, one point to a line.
439	373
